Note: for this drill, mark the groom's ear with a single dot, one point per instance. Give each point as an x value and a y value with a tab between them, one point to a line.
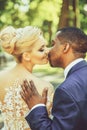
26	56
66	47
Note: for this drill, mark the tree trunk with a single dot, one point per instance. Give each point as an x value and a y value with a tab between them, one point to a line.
76	21
64	17
69	14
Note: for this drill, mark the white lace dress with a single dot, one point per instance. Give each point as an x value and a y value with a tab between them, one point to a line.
14	109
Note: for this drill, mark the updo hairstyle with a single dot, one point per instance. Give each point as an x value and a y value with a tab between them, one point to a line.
16	41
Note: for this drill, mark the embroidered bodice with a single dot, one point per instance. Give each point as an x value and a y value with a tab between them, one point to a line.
14	109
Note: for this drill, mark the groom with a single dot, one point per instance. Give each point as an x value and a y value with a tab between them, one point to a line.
69	109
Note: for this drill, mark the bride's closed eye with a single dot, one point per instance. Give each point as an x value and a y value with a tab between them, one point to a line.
41	50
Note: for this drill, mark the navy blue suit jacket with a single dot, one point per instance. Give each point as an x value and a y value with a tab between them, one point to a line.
69	104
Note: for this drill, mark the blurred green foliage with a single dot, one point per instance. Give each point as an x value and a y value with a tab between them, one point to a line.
83	14
42	13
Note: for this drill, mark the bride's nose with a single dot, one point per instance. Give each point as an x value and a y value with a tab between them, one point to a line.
47	50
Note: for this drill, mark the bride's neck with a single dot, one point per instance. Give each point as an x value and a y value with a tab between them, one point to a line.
27	67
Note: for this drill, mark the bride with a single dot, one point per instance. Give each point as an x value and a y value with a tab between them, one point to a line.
27	45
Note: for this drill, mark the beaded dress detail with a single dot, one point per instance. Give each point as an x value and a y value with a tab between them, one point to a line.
14	109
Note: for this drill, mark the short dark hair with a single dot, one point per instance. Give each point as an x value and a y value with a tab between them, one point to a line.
75	36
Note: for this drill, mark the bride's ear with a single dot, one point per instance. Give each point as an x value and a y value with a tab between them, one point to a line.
26	56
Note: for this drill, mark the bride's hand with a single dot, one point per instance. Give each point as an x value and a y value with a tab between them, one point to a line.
31	96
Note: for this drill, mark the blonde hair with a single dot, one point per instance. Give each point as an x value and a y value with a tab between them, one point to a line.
16	41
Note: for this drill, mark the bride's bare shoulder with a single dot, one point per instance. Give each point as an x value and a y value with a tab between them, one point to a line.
4	77
3	74
43	83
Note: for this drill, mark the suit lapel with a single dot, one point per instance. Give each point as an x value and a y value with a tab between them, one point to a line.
76	67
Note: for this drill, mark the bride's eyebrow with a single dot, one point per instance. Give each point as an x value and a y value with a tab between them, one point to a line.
42	46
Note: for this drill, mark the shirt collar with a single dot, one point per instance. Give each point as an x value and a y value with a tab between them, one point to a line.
67	69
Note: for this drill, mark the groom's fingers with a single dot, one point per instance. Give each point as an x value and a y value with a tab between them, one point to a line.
26	88
26	84
45	91
33	88
23	95
44	94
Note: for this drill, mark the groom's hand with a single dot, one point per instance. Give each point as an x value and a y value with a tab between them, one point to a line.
31	96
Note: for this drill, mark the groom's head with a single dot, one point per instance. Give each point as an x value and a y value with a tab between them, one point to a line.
69	44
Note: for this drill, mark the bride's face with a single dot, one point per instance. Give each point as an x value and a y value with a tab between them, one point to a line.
39	53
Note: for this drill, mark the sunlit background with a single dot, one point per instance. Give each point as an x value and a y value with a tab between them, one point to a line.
49	15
